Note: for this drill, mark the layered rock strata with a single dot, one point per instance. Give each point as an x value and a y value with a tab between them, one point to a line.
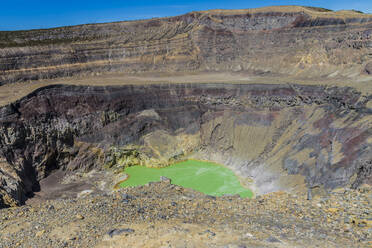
287	40
275	137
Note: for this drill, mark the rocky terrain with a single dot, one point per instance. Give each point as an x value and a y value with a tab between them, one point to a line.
164	215
280	95
281	41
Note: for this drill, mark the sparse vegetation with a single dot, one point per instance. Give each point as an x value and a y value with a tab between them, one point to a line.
40	37
318	9
357	11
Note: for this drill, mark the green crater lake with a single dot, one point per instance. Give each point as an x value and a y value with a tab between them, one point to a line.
206	177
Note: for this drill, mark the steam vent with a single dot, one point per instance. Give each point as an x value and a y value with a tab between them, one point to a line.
277	99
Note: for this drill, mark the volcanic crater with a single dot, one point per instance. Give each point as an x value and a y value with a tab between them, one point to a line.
291	138
280	95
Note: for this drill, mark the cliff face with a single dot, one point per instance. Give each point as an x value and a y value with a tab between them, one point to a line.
275	137
296	41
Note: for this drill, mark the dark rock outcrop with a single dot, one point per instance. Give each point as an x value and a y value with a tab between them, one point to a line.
282	137
368	68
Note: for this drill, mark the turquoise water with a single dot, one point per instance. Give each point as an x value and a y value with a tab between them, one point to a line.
205	177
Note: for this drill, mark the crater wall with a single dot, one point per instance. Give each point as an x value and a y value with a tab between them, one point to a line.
287	40
275	137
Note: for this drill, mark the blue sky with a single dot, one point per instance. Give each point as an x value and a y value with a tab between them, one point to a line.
29	14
